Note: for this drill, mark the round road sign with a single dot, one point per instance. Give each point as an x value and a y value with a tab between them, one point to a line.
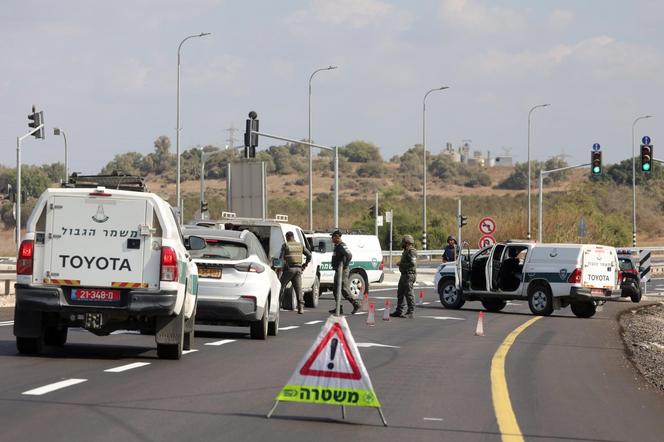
596	146
487	225
645	140
486	241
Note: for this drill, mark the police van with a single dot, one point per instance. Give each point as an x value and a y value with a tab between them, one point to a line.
548	276
365	268
105	259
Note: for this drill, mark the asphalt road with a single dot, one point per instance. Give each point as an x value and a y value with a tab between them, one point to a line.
568	379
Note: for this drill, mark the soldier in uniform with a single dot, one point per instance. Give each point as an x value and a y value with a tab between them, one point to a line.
451	250
341	255
407	267
291	253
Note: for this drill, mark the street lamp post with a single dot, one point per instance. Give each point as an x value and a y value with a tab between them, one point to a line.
311	164
204	157
58	131
529	179
177	128
634	180
424	163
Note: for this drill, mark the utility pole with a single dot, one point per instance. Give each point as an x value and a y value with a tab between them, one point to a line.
376	214
231	136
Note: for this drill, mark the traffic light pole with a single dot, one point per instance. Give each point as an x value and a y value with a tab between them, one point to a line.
336	166
541	184
18	181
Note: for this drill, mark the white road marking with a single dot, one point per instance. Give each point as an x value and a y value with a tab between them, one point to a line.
52	387
5	323
513	303
361	313
222	342
443	318
436	419
312	322
186	352
126	332
380	309
383	297
373	344
387	289
122	368
426	303
425	283
290	327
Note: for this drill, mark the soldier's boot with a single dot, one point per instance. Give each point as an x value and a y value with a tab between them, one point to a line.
356	308
334	310
396	314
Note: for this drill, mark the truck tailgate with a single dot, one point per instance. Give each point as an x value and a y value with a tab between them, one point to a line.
599	268
97	242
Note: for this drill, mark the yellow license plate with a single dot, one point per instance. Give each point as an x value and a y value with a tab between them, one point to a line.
209	273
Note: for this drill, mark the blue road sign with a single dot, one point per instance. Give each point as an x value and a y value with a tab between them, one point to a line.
596	146
645	140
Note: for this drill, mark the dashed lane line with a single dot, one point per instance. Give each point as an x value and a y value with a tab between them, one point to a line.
373	344
222	342
122	368
52	387
435	419
186	352
312	322
443	318
290	327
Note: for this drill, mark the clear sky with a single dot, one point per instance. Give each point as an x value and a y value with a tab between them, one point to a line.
105	72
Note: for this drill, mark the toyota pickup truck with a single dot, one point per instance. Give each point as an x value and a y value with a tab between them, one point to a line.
548	276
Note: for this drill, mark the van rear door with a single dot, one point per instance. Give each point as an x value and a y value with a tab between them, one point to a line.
599	268
98	241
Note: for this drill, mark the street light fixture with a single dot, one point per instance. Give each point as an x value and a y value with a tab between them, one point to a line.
311	164
424	162
58	131
529	179
643	117
177	129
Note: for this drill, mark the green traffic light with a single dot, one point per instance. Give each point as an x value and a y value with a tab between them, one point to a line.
597	169
646	167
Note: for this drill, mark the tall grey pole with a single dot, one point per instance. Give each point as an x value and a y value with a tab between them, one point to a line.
634	181
529	179
336	187
177	126
376	214
64	135
311	163
202	183
391	224
18	192
424	165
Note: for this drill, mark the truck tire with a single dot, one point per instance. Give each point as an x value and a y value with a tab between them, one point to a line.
494	304
258	329
29	346
189	332
57	337
450	297
273	326
358	284
636	294
540	299
311	298
170	329
583	309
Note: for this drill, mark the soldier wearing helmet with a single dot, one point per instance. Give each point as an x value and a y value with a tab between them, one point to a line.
451	250
408	269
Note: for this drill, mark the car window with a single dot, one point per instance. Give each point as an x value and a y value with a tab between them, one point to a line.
221	249
258	249
325	241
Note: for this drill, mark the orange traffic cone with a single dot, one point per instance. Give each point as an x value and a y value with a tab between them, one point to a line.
479	330
421	300
386	311
371	319
365	302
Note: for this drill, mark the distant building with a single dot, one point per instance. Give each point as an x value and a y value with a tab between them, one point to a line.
503	161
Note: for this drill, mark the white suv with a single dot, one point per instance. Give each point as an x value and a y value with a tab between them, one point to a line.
104	260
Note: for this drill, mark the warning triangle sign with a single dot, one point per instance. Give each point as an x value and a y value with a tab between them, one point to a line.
331	371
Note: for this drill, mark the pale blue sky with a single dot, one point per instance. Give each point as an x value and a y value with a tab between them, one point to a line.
105	72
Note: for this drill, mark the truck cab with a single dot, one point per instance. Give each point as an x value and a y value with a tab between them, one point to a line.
548	276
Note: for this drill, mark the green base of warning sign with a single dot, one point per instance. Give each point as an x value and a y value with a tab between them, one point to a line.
328	395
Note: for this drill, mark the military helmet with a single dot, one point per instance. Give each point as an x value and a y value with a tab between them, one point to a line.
408	239
451	238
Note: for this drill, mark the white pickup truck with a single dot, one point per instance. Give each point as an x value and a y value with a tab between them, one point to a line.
548	276
105	259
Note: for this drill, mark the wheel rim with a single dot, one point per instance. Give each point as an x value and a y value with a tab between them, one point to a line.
539	300
356	287
450	294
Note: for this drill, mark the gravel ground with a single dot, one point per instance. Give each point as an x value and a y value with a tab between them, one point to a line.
643	334
7	301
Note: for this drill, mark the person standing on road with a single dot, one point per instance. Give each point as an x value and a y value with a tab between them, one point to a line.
408	269
341	255
291	253
451	250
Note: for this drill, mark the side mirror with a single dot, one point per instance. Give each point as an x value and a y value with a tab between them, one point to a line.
277	263
195	243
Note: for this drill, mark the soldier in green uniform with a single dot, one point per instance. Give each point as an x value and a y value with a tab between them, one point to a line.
291	253
341	255
407	267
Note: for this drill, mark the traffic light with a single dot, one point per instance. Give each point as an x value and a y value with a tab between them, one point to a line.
250	135
646	158
372	211
36	120
204	206
463	220
596	162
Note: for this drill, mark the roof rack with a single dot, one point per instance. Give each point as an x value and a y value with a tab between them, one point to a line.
116	180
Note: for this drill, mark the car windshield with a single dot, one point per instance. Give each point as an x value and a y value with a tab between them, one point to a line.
221	249
626	264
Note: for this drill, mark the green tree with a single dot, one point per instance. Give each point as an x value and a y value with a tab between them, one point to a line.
361	152
129	163
411	161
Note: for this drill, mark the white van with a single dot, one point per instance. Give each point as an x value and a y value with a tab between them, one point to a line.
367	264
104	260
272	235
548	276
